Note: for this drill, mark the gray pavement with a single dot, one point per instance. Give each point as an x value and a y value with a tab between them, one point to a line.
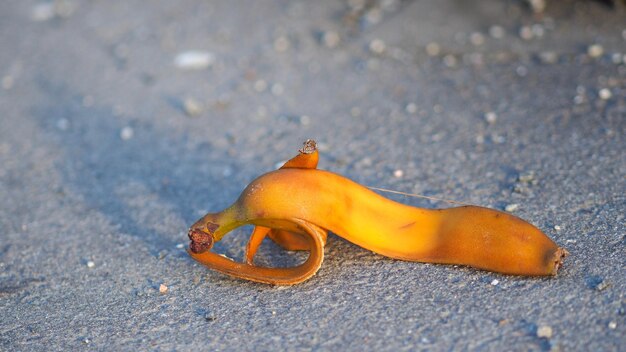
122	122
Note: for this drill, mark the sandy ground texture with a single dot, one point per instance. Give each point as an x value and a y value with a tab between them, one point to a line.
122	122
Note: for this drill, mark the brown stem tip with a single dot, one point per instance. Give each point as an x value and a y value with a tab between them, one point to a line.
559	255
200	241
309	147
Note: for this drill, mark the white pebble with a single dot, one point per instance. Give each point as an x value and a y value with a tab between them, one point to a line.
260	86
377	46
331	39
398	173
180	245
411	108
7	82
163	288
605	94
63	124
495	282
612	325
281	44
277	89
194	60
43	11
544	331
491	117
433	49
557	227
477	38
496	32
90	264
192	107
127	133
595	50
511	207
526	32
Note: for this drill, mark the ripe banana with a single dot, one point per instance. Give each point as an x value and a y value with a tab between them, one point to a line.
297	204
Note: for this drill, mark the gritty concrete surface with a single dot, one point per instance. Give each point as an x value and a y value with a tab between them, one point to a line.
122	122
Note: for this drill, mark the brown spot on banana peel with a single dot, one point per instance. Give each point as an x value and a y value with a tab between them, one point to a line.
470	235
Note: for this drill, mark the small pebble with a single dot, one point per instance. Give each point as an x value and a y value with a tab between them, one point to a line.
595	50
163	288
192	107
411	108
43	11
511	207
527	177
127	133
526	32
605	94
180	245
377	46
612	325
544	331
260	86
433	49
277	89
495	282
63	124
331	39
449	61
398	173
90	264
194	60
281	44
491	117
496	32
477	39
7	82
549	57
557	227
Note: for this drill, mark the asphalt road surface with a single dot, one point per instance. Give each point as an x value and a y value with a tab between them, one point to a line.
122	122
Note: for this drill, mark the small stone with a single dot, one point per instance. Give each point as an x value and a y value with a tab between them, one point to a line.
305	120
595	51
433	49
377	46
491	117
511	207
277	89
180	245
43	12
549	57
449	60
527	177
281	44
163	288
90	264
260	86
495	282
63	124
544	331
477	39
605	94
496	32
526	32
398	173
7	82
411	108
612	325
557	227
331	39
194	60
192	107
127	133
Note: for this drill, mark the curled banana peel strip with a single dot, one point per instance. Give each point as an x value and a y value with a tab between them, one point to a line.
297	205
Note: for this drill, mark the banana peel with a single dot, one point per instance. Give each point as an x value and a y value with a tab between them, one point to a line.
297	205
